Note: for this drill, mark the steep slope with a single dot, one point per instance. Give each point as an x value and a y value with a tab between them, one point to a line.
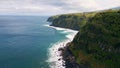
72	21
97	44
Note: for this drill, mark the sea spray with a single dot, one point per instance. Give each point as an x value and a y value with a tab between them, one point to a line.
55	60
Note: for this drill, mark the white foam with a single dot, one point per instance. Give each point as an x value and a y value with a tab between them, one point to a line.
59	28
54	55
53	52
46	25
70	37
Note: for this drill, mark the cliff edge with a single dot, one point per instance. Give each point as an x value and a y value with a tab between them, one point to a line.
97	44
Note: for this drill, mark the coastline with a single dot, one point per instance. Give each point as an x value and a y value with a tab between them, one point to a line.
56	57
91	48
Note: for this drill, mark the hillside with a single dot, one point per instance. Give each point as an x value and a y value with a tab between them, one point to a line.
72	21
97	44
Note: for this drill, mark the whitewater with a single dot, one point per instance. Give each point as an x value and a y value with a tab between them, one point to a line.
55	60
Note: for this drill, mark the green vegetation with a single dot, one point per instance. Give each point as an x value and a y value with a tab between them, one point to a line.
98	41
72	21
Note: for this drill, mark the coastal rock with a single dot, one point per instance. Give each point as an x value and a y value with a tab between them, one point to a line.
98	38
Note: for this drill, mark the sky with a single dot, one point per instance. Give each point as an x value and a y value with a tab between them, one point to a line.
53	7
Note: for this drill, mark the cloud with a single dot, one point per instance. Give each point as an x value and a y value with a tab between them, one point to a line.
28	7
81	5
50	7
106	4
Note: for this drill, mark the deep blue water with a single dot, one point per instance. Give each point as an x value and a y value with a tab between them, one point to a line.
24	41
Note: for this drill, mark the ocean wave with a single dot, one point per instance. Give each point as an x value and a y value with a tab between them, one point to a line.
59	28
47	25
53	53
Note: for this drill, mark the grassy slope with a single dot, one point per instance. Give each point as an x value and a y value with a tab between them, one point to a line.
73	21
98	42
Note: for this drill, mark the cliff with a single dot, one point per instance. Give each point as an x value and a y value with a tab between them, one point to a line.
97	44
72	21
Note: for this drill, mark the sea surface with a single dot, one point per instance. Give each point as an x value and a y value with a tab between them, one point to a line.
26	42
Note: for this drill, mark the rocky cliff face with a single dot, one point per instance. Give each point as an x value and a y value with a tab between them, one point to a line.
71	21
98	40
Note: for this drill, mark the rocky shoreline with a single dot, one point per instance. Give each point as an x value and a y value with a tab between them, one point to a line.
70	61
97	41
69	58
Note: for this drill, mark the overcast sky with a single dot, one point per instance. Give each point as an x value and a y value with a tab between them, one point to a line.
51	7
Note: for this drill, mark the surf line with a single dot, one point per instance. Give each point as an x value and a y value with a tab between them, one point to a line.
55	59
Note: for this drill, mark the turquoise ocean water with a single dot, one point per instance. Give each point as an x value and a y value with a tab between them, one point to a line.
25	41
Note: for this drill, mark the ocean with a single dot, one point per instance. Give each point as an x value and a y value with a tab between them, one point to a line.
29	42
